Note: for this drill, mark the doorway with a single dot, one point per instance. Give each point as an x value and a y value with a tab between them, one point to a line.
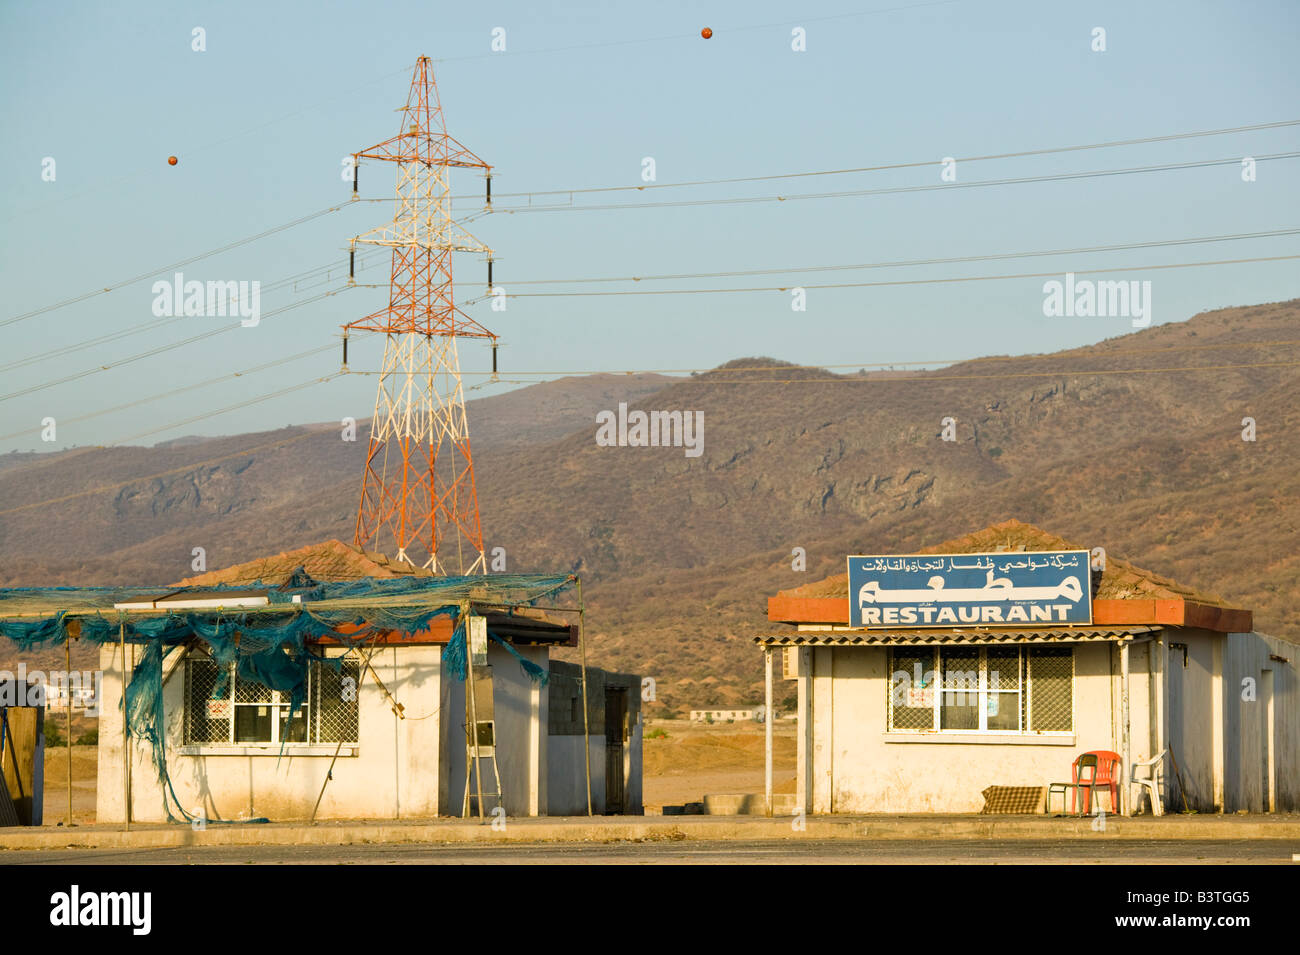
615	747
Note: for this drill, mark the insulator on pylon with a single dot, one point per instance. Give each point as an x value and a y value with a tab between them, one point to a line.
345	349
494	358
352	264
489	189
356	174
489	273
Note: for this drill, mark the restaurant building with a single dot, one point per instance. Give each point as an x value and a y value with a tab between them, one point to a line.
985	665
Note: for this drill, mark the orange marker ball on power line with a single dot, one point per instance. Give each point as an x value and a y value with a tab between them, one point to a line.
172	160
706	33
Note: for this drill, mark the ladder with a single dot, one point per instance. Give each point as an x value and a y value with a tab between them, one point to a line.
480	746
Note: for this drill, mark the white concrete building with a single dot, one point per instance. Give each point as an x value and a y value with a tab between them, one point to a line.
1160	669
379	734
387	767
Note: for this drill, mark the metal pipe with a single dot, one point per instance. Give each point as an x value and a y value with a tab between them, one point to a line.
582	646
1125	750
126	735
67	688
767	729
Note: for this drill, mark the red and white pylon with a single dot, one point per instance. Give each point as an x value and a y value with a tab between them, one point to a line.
418	497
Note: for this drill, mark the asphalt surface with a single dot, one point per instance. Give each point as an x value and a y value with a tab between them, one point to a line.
702	852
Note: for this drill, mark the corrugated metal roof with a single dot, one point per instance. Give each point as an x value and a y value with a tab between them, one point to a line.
881	638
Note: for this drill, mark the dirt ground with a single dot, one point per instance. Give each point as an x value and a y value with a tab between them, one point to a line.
693	760
698	759
84	768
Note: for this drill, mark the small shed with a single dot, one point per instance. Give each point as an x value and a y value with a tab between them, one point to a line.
918	699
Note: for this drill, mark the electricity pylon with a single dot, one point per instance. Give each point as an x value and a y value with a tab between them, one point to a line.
418	490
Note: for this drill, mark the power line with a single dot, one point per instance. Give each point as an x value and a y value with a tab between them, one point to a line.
931	281
1060	373
882	365
175	265
912	164
892	190
162	348
648	186
918	375
907	262
186	467
353	86
921	377
235	407
177	391
68	348
363	262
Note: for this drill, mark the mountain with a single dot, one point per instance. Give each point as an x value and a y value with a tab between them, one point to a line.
1134	444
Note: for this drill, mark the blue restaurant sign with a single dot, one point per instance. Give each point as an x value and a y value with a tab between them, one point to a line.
1008	588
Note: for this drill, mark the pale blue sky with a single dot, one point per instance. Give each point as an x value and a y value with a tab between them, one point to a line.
584	91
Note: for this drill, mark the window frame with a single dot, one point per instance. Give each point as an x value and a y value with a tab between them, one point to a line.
279	702
1024	694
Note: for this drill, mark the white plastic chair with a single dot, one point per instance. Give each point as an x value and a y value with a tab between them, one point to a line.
1151	781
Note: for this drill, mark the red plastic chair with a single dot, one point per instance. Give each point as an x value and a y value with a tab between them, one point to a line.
1106	768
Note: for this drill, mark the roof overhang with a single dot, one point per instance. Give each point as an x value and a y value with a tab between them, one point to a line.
832	611
947	636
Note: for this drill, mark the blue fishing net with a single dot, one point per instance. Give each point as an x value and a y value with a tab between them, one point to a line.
273	645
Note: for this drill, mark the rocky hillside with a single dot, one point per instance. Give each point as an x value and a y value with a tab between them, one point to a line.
1134	444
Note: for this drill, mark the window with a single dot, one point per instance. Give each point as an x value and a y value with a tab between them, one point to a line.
222	709
982	690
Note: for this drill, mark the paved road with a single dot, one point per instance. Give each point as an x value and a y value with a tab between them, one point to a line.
755	852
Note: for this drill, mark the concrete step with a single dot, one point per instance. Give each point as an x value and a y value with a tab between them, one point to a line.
748	804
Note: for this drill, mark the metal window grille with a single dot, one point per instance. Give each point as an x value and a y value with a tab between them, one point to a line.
959	704
912	690
1001	698
202	678
1051	689
998	689
254	713
335	703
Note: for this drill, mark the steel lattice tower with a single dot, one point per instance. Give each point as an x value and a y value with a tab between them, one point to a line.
418	490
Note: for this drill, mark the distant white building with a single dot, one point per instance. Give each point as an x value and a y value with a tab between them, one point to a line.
754	713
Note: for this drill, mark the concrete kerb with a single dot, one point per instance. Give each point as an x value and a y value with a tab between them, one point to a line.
659	829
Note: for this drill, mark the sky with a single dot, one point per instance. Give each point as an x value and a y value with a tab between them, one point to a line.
262	117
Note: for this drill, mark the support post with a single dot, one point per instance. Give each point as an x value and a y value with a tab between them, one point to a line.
767	729
67	687
126	734
804	785
1217	699
1126	750
582	649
